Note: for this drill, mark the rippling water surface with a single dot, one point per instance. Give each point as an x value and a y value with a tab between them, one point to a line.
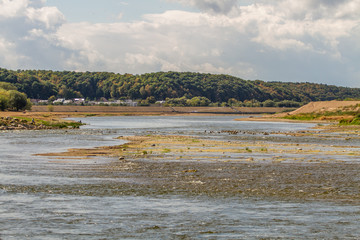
31	209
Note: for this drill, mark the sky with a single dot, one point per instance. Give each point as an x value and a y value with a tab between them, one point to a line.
284	40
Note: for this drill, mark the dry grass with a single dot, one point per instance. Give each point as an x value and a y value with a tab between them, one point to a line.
325	106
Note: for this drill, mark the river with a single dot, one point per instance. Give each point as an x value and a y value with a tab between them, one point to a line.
43	197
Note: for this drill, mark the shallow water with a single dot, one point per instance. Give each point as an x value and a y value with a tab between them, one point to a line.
43	216
36	203
173	124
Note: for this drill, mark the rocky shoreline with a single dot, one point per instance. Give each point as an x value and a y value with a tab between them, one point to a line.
10	123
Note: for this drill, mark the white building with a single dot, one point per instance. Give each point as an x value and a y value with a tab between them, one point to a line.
59	100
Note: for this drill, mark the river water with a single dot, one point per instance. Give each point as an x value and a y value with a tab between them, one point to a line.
35	201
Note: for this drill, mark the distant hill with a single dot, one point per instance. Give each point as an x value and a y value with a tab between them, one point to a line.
43	84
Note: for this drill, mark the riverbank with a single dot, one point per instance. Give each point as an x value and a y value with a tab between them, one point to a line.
156	110
323	112
10	123
55	115
25	121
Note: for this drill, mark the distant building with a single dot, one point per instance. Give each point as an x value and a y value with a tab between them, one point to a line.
68	101
34	101
130	103
59	100
43	101
39	101
79	100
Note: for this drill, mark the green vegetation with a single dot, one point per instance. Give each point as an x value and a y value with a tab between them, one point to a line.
346	117
304	116
62	124
354	121
183	101
11	99
177	88
319	116
50	108
248	149
166	150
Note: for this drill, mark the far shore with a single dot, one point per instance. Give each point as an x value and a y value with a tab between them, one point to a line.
147	110
57	113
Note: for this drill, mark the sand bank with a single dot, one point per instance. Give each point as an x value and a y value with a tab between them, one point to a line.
195	166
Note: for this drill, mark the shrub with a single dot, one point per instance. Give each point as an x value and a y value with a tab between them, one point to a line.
50	108
17	100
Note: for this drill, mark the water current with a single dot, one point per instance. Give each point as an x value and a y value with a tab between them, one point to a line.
30	208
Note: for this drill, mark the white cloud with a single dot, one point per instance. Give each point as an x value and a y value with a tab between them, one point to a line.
310	40
27	29
12	8
175	39
51	17
212	6
7	55
293	25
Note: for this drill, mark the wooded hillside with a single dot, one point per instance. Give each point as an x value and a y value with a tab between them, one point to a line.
43	84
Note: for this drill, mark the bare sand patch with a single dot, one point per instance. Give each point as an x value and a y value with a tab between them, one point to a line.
326	106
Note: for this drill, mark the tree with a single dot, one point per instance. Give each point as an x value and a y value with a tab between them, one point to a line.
269	103
151	99
142	92
18	101
51	99
198	101
4	101
233	102
161	85
7	86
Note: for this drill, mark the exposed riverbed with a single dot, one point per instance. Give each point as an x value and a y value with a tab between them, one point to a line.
188	177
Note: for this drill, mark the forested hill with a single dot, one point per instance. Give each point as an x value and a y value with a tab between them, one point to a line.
41	84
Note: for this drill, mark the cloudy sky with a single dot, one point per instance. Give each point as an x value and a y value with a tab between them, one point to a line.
278	40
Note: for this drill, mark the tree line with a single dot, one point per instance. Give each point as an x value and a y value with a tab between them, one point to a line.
189	87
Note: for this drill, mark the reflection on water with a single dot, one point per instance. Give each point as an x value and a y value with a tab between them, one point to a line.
26	213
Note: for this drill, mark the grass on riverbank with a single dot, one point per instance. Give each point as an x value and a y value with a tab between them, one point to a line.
342	117
354	121
51	124
342	112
